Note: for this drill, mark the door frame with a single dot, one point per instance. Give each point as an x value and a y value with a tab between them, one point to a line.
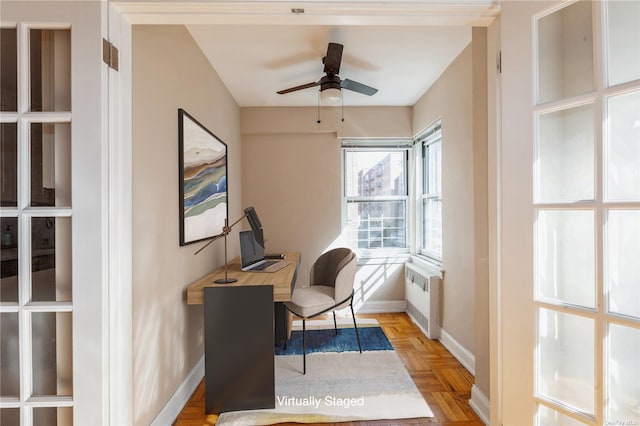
122	15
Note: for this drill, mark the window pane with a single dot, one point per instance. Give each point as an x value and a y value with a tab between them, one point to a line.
565	256
51	164
623	374
10	416
565	364
548	417
376	224
58	416
51	259
432	226
374	173
565	163
8	164
622	266
433	169
623	21
8	70
623	147
9	253
50	73
9	356
565	53
51	340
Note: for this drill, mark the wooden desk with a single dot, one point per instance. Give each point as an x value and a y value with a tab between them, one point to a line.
282	281
239	333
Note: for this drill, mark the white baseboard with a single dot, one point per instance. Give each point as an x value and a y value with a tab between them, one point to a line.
466	358
380	307
480	404
176	403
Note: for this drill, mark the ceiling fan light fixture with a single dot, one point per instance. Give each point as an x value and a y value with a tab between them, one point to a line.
331	95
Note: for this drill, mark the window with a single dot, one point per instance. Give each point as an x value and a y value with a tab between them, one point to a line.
376	198
431	244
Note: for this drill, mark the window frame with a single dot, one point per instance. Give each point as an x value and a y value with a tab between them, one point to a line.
374	145
431	136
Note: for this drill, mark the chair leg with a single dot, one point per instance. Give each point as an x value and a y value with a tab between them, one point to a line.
304	348
355	325
335	323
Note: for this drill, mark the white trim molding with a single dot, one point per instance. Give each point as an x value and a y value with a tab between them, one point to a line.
462	354
119	190
480	404
181	396
268	12
381	307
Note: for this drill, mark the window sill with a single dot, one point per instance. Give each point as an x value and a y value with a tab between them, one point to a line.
384	258
428	264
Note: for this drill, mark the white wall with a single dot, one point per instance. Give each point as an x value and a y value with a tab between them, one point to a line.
493	141
166	64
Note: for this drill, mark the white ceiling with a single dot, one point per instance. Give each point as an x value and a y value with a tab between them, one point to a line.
259	47
402	62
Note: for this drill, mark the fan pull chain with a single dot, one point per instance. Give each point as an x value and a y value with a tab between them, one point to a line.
318	107
342	99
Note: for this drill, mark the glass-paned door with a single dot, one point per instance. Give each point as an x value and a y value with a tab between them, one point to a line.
36	297
53	214
584	214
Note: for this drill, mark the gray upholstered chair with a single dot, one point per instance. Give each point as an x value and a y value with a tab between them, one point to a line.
330	288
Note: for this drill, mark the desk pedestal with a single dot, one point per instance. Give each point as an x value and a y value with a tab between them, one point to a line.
239	352
281	316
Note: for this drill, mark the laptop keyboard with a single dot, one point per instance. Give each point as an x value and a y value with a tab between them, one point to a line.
263	266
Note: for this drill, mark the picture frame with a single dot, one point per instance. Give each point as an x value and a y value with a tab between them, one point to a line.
204	206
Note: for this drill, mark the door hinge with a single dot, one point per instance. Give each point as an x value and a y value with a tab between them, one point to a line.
499	61
110	54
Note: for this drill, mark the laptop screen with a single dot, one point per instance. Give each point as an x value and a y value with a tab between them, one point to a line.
251	247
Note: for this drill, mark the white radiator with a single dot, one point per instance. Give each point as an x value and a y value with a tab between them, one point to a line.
422	291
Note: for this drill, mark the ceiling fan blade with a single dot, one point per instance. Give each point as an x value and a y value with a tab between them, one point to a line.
301	87
358	87
333	59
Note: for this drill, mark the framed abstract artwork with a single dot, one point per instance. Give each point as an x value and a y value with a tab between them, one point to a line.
203	181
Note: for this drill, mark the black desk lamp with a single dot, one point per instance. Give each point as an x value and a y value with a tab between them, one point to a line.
254	222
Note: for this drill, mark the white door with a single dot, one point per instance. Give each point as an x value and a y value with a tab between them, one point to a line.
570	257
52	214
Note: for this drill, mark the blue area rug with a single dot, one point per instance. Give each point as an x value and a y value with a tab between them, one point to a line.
371	338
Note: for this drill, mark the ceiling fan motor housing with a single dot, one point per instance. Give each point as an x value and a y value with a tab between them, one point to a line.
330	82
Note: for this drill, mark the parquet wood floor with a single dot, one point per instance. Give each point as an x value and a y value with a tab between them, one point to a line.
442	380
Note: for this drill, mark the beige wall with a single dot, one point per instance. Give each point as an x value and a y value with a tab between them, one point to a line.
165	329
458	98
291	174
450	99
481	207
378	122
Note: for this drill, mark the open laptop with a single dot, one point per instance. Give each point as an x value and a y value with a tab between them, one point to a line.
252	255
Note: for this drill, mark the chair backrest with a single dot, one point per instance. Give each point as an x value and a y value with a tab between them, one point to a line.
335	268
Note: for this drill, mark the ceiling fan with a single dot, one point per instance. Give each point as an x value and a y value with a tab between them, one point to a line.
331	84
